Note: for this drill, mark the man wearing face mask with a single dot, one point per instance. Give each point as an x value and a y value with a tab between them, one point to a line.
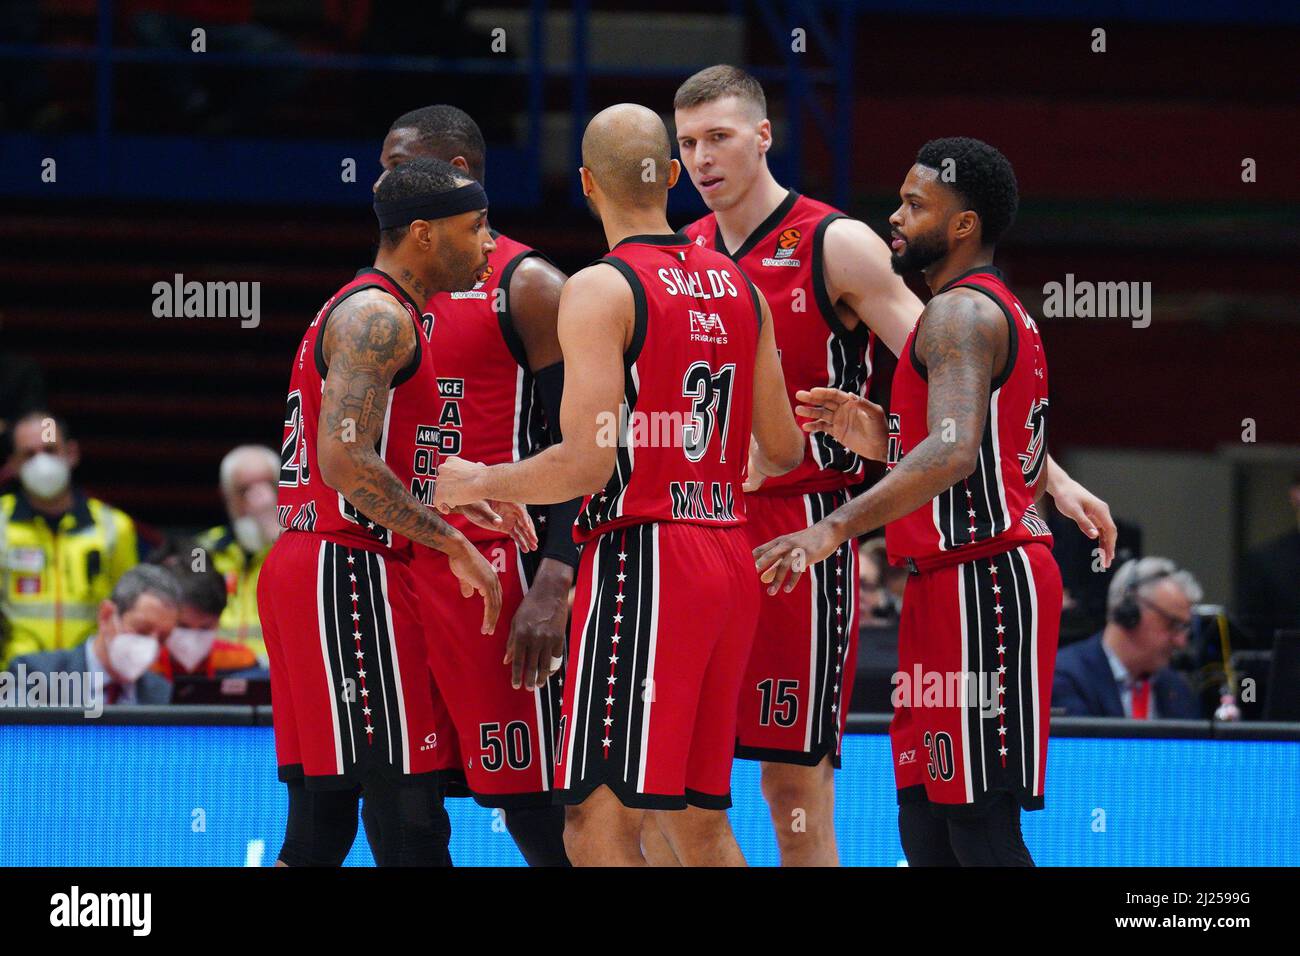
61	552
133	624
194	647
248	484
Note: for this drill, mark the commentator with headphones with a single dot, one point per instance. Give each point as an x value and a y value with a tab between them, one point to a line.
1123	671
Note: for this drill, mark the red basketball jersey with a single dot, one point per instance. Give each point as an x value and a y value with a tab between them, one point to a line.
491	410
783	257
408	444
991	510
683	428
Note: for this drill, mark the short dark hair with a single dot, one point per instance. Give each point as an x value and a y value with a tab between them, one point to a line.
416	177
39	415
984	180
205	590
715	82
447	132
141	580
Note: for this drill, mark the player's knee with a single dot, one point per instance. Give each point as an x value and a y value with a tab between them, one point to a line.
993	838
411	822
696	825
924	836
791	790
539	834
321	826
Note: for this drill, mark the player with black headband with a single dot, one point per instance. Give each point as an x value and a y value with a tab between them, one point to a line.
354	709
500	376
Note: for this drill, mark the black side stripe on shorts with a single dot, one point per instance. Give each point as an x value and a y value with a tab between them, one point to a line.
384	665
332	652
836	594
614	691
359	646
1001	734
1024	600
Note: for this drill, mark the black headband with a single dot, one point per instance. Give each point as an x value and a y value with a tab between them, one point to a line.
452	202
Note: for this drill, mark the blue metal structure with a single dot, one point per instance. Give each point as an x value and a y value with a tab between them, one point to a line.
109	163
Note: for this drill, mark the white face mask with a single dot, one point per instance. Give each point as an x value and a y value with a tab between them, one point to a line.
45	475
250	534
132	654
190	646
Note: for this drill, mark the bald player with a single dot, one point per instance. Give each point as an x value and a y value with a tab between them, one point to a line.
672	366
828	280
500	375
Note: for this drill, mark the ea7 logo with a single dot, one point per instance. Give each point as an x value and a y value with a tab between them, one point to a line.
702	324
906	757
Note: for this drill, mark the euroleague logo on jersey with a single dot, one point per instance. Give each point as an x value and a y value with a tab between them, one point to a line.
476	292
786	244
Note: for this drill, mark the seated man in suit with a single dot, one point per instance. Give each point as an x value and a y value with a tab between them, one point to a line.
193	648
1124	671
133	623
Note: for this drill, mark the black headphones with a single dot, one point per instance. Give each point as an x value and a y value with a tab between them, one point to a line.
1127	613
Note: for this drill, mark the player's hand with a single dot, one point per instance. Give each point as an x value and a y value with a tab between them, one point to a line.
783	560
505	517
853	421
456	483
535	648
1089	512
475	574
754	476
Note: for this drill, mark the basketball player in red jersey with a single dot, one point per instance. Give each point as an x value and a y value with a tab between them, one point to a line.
966	448
828	282
353	704
671	366
500	375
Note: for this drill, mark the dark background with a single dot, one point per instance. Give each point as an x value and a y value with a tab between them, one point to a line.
226	165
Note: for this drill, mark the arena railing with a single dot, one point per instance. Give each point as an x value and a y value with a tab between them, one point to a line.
260	716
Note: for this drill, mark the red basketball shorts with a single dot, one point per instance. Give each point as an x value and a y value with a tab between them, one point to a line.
972	697
504	738
662	625
795	697
350	687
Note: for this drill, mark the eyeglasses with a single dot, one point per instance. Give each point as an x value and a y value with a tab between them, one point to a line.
1177	625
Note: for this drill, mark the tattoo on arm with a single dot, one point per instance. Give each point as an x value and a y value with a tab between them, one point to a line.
368	341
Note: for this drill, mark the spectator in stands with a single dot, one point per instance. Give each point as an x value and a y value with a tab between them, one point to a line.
61	552
193	647
133	624
22	390
1124	671
249	476
880	587
1268	588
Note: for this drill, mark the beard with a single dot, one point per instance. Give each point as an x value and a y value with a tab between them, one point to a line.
919	253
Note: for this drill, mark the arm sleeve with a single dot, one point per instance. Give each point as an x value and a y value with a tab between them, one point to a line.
559	517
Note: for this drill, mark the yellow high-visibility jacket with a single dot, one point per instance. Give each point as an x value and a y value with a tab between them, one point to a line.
54	578
239	621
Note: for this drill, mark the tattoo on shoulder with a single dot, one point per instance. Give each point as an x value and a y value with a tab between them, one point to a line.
955	329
